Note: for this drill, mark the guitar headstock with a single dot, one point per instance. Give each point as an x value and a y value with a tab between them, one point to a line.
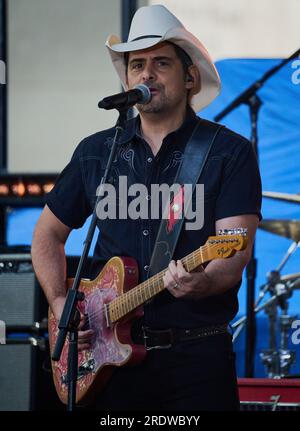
227	242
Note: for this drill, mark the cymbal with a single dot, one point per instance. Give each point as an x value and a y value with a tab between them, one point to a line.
287	228
293	279
288	277
289	197
295	284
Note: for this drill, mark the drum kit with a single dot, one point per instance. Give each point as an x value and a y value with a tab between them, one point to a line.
278	358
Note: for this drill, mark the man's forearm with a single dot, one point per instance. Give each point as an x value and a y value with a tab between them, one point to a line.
222	274
49	262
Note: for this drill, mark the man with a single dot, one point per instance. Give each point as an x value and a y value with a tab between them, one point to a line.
195	372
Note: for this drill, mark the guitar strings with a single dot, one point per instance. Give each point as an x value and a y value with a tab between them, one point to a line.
157	278
135	291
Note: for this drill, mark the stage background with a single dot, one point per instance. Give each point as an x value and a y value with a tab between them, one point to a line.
278	147
58	67
278	153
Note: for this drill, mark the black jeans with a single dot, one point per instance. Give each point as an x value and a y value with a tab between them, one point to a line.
196	375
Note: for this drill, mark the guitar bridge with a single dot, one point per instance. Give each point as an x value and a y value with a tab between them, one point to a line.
83	370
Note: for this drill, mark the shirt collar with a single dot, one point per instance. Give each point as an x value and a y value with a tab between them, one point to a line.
133	127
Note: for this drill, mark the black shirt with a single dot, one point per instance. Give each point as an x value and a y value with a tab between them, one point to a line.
231	184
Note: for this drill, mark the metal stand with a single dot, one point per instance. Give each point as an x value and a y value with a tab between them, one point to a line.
3	117
129	7
254	104
277	359
3	88
70	317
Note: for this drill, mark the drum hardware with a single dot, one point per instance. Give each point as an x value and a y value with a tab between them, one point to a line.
278	358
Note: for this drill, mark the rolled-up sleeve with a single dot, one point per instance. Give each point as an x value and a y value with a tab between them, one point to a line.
68	199
241	191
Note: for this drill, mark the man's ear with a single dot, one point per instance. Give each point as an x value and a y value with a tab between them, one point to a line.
192	81
189	77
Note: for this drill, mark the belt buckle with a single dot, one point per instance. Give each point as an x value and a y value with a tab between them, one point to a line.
166	346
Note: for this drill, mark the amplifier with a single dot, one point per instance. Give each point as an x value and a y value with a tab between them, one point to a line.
22	302
25	376
269	394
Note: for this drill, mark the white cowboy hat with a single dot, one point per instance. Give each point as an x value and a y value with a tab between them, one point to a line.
154	24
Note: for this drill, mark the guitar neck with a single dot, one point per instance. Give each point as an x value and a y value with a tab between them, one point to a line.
124	304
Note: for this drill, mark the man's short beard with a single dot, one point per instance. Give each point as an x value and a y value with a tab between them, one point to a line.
155	106
150	108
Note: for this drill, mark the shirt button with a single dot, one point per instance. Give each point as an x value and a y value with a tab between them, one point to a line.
146	267
145	232
149	160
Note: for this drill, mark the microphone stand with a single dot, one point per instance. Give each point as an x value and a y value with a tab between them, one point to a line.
250	98
70	318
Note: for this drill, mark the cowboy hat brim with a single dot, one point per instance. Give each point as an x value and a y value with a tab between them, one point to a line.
210	80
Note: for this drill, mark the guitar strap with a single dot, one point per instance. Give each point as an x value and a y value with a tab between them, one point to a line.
189	171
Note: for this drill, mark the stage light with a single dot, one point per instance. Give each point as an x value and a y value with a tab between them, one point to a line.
25	189
4	189
34	189
18	189
48	187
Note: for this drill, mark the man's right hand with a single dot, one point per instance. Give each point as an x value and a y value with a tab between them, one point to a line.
84	336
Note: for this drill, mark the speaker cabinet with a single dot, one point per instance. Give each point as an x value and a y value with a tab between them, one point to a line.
22	300
25	378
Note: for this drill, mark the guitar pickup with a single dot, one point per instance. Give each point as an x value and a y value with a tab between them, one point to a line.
83	370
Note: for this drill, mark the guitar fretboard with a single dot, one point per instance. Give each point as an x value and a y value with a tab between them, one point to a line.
124	304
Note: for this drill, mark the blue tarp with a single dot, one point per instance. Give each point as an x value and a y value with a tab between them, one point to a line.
279	159
278	148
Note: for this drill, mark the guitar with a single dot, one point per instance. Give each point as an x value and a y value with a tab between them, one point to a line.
112	300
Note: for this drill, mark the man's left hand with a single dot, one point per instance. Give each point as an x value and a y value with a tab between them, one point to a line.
181	283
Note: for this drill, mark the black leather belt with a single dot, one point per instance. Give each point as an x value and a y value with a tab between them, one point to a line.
165	338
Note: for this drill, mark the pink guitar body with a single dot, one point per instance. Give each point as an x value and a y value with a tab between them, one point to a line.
111	346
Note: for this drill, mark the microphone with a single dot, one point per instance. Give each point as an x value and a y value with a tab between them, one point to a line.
139	94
